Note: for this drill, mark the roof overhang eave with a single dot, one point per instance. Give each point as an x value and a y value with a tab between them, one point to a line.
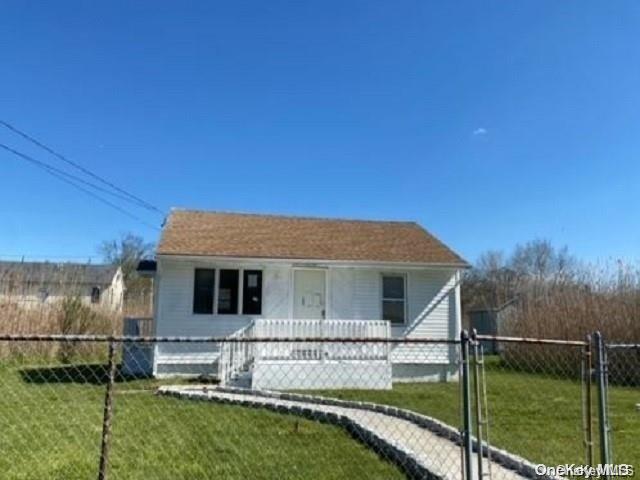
254	259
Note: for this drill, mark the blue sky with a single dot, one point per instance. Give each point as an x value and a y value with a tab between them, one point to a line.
488	122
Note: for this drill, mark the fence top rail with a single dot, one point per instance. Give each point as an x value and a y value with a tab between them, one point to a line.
194	339
178	339
536	341
630	346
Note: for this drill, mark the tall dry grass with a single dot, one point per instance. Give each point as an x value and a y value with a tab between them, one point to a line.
139	303
68	315
25	309
598	299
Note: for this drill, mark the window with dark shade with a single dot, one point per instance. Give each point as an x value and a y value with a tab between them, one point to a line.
95	295
393	298
203	286
252	292
228	291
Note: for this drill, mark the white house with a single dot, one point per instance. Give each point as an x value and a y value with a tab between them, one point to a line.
227	274
38	284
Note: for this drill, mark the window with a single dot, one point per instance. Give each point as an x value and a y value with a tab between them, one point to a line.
203	286
95	295
252	292
393	298
232	285
228	292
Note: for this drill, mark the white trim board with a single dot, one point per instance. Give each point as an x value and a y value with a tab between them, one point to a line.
315	262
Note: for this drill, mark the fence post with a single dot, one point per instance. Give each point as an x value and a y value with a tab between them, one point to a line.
107	413
466	406
477	401
588	406
603	408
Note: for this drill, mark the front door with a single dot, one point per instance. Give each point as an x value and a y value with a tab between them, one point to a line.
309	294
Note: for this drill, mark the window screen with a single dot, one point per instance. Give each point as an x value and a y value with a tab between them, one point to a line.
252	292
393	298
203	285
228	291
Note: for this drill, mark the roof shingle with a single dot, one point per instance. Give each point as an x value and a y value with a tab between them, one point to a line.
191	232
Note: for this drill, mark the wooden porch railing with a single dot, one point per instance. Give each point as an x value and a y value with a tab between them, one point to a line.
335	329
235	357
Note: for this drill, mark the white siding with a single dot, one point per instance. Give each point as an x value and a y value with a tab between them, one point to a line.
175	301
276	291
175	317
341	294
356	293
353	293
367	303
429	294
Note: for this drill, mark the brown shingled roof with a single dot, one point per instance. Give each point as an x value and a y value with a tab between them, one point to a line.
190	232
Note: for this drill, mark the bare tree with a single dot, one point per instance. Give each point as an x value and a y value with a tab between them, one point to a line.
490	261
540	260
126	252
535	266
490	283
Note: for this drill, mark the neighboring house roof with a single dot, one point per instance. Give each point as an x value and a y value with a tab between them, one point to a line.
190	232
59	273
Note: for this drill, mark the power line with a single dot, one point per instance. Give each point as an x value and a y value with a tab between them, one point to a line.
130	197
51	168
18	255
75	182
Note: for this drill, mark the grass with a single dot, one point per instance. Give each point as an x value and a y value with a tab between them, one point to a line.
536	416
51	422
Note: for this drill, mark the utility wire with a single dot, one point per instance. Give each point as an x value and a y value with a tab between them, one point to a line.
51	168
131	197
75	182
18	255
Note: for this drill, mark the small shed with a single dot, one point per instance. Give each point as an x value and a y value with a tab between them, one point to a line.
489	321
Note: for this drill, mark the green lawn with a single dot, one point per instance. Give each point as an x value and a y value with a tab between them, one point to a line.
538	417
50	427
51	430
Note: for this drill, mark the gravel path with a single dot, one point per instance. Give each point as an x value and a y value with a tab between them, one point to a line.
417	450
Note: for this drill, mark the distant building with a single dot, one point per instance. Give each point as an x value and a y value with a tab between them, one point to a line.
490	321
33	284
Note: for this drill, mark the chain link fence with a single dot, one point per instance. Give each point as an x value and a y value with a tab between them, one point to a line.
102	407
532	399
623	402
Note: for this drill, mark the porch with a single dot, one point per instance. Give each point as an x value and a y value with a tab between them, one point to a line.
308	365
274	364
